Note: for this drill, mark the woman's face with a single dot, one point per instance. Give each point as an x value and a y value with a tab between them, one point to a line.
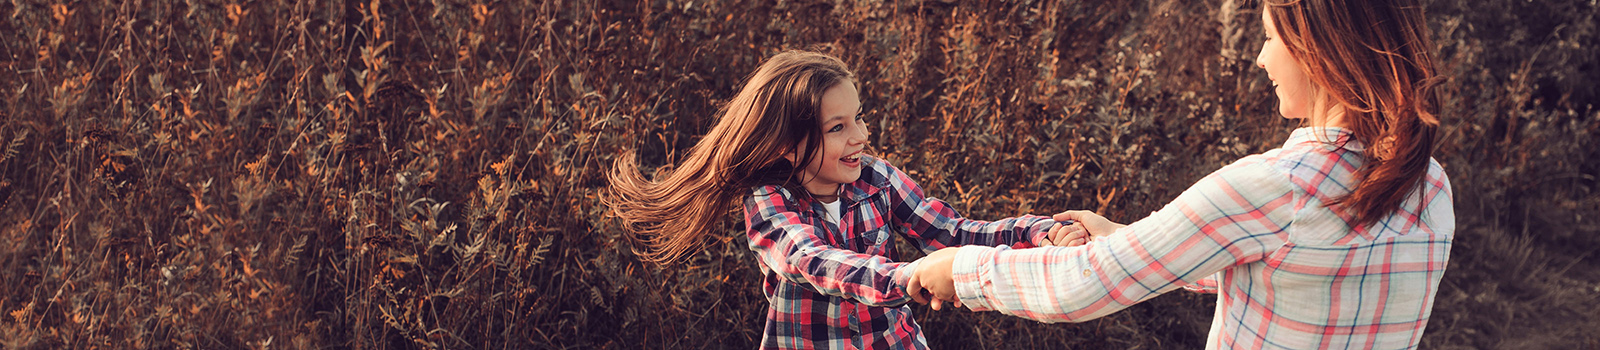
1289	81
844	140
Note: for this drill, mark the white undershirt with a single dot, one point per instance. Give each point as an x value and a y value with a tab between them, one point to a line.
833	211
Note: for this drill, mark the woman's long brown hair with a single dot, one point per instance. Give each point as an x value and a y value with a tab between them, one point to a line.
1371	56
777	109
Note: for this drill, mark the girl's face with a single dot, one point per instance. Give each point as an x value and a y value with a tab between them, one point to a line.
1289	81
844	138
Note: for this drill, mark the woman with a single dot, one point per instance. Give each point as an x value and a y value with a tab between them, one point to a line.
1336	240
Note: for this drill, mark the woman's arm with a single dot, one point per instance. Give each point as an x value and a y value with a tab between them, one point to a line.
1091	226
931	224
1206	284
1235	216
797	252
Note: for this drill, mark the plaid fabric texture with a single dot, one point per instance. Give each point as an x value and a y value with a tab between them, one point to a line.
1290	273
839	286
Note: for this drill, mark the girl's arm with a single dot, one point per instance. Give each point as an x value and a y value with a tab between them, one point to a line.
1237	215
932	224
797	252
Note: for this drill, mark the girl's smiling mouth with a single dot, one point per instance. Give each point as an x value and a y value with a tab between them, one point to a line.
853	159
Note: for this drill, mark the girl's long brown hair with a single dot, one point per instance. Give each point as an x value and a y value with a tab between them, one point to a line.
775	111
1371	56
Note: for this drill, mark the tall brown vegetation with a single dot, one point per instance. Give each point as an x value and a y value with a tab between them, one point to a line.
426	174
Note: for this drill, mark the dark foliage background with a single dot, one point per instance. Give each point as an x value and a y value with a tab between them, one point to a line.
424	174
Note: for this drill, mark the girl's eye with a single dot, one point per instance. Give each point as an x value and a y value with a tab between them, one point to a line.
836	128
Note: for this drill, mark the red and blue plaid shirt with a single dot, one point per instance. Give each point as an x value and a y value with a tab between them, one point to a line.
1290	272
836	284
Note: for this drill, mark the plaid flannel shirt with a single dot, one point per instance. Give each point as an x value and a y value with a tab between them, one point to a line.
1289	272
839	286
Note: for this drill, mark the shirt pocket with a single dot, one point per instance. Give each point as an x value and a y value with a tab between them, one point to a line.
875	241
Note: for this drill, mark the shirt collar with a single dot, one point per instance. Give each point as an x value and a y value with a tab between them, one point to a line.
873	179
1329	138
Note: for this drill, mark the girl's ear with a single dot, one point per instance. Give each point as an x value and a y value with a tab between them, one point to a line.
790	155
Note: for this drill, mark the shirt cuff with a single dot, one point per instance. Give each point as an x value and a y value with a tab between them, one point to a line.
901	277
971	275
1041	230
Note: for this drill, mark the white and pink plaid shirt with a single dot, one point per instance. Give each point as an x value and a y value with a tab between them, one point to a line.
1289	271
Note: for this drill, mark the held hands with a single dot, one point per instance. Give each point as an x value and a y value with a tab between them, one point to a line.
933	283
932	279
1080	226
1066	234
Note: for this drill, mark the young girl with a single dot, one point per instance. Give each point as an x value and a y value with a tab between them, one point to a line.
1336	240
818	210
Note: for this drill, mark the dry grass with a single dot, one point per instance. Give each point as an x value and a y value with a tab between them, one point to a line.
423	174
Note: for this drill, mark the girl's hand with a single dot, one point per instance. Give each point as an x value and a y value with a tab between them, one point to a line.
1067	234
1085	226
933	277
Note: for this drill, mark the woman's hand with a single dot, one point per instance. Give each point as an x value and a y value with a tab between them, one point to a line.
1085	225
933	276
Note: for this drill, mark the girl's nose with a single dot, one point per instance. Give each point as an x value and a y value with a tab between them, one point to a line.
861	134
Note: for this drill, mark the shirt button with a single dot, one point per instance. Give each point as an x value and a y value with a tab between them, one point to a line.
1085	272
